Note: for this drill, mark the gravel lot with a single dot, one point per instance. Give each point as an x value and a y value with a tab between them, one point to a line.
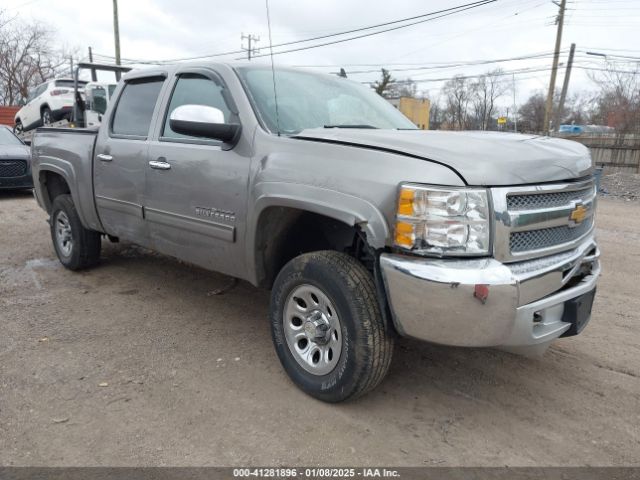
623	185
132	363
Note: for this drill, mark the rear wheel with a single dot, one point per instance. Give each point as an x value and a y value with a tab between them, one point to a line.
18	129
327	327
76	246
46	116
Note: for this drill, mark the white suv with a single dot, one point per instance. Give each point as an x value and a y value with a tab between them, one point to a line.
47	103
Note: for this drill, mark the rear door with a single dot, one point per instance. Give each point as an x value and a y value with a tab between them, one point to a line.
121	159
196	201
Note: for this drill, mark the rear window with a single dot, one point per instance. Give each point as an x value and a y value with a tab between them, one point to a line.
135	107
68	83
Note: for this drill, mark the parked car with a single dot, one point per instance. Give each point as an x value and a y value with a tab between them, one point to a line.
49	102
15	163
362	226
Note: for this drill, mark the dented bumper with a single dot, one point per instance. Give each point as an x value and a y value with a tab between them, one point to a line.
485	303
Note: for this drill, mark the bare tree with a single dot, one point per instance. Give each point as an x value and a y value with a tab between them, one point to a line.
618	103
457	93
436	114
403	88
486	90
532	113
578	109
27	58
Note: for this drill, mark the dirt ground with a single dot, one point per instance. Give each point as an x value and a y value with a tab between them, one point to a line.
132	363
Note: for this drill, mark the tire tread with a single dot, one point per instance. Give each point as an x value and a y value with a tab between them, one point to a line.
87	241
379	343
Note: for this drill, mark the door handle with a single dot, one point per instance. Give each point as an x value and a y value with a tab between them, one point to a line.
159	165
103	157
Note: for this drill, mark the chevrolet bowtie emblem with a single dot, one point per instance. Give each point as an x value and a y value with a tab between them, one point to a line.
578	214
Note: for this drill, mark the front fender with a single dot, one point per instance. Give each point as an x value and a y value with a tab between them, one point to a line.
340	206
343	207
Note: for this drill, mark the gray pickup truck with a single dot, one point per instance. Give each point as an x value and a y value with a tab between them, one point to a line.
363	227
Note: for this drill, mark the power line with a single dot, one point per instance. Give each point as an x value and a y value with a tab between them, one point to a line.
520	71
459	9
445	12
489	25
456	64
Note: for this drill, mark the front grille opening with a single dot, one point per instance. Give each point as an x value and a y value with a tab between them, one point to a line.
13	168
547	237
536	201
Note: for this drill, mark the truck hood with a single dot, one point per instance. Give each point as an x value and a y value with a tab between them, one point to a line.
480	158
15	152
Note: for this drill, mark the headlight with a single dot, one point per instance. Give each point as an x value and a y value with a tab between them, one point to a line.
442	221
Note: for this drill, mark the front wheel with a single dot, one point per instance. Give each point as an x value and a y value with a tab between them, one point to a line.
17	128
76	246
327	327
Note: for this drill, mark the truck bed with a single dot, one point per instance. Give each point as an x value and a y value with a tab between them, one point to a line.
67	152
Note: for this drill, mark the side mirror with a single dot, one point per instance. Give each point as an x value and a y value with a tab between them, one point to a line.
203	121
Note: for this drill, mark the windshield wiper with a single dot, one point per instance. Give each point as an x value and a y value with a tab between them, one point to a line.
350	126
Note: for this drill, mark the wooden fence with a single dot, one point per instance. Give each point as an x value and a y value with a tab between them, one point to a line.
616	153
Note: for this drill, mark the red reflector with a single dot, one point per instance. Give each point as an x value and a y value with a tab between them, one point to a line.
58	91
481	292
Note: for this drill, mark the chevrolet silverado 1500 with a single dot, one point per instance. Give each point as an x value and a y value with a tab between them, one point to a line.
314	187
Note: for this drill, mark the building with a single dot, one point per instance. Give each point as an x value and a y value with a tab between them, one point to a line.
7	114
415	109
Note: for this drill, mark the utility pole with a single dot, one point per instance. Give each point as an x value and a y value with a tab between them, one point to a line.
116	35
554	69
71	64
565	87
94	76
251	41
515	112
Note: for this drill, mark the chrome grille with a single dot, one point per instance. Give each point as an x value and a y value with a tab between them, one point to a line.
546	200
547	237
534	221
13	168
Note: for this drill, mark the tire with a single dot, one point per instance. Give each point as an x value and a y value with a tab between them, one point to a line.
18	129
46	116
82	246
346	309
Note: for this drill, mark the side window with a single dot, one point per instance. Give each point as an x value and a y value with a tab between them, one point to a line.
192	89
135	107
39	90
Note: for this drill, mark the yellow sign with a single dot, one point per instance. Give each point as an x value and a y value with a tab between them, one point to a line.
578	214
502	120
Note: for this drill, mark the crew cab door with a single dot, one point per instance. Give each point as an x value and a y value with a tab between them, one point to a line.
121	162
196	190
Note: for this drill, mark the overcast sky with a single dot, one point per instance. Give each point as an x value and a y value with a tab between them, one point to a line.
167	29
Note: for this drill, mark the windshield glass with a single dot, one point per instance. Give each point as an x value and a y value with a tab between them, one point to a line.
8	138
312	100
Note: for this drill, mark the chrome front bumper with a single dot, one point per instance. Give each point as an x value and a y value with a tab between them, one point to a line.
486	303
